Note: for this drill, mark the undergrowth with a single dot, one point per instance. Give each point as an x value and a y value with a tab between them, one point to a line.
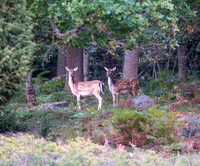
164	128
23	149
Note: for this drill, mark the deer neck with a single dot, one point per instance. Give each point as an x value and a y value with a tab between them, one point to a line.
111	84
71	82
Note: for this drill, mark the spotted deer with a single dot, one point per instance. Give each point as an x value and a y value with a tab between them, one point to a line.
84	89
121	86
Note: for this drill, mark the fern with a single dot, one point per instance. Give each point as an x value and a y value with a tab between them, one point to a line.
55	96
39	78
54	85
161	87
157	125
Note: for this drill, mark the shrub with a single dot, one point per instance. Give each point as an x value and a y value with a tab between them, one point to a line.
152	125
9	121
161	87
48	86
16	52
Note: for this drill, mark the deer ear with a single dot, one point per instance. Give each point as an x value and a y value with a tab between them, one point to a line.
114	69
66	68
76	68
106	68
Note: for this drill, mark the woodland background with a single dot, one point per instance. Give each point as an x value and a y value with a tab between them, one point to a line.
154	41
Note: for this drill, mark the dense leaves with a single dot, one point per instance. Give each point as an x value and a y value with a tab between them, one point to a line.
16	46
155	28
115	23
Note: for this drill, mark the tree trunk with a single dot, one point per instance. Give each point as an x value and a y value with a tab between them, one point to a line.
174	66
85	66
74	59
131	64
182	59
61	61
30	92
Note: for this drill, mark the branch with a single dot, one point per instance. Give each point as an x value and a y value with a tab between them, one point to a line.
142	11
196	19
61	35
54	28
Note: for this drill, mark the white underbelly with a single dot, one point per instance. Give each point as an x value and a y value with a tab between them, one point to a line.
84	94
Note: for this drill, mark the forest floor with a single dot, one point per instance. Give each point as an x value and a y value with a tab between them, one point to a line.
166	134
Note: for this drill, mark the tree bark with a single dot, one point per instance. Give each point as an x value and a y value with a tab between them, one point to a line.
182	59
74	56
61	61
85	66
131	64
74	59
30	92
174	66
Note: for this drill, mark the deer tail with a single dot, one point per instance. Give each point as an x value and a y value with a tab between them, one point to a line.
101	87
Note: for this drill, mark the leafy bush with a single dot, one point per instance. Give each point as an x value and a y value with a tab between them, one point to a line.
39	78
55	96
16	53
83	123
9	121
161	87
163	125
49	90
54	85
139	128
46	125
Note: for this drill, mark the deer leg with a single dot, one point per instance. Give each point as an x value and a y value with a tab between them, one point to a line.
117	99
78	101
100	100
134	91
130	94
113	99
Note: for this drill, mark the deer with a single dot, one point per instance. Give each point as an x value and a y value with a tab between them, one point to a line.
83	89
121	86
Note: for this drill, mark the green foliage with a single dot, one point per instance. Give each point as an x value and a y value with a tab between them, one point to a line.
16	46
83	123
34	151
39	78
123	116
53	97
163	125
174	148
109	21
50	90
9	121
161	86
54	85
158	125
45	125
190	130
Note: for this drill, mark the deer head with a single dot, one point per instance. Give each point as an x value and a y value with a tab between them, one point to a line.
109	71
71	71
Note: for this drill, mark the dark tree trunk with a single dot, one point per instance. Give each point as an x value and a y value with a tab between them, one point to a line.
182	59
61	61
30	92
85	66
131	64
74	59
174	66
